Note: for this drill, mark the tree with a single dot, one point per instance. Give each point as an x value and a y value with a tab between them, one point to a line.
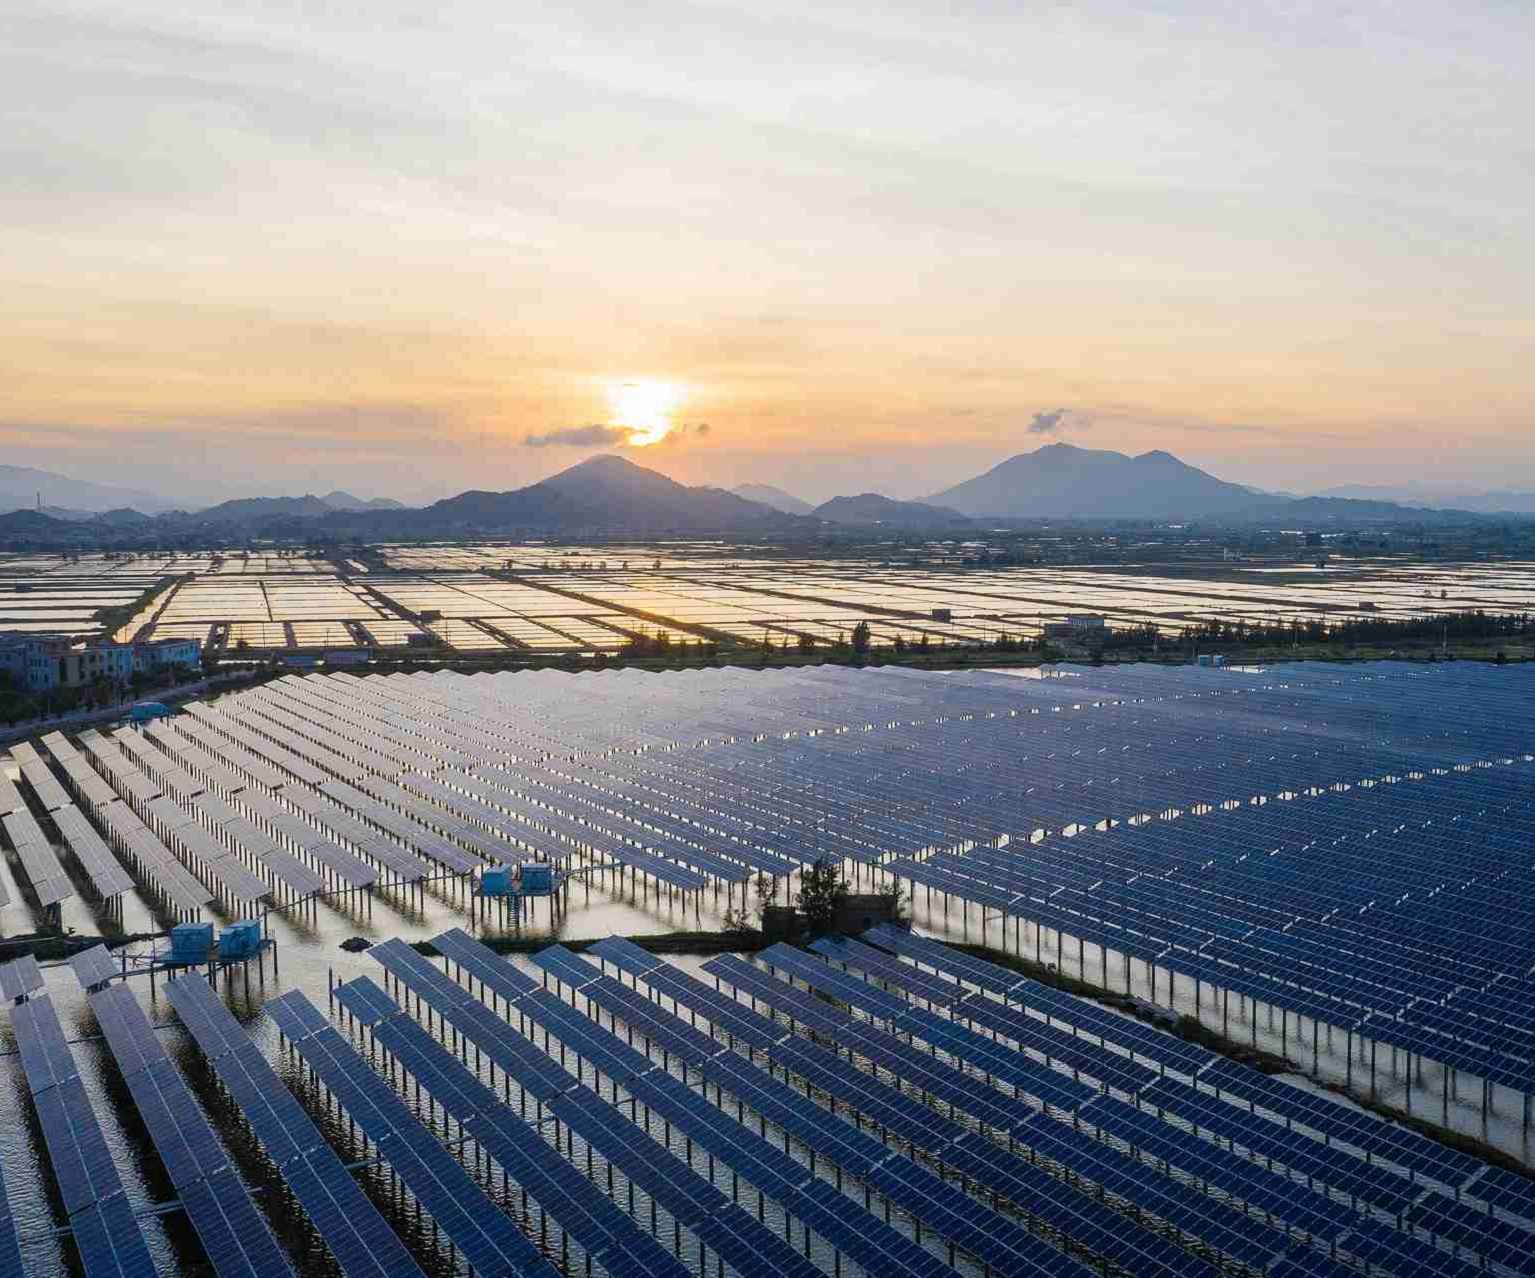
806	642
822	890
765	888
861	638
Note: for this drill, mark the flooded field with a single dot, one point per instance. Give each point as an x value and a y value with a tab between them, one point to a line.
546	601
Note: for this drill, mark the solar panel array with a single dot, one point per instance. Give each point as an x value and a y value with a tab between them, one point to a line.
234	1235
1300	1161
39	862
1185	1176
106	1234
914	1107
358	1238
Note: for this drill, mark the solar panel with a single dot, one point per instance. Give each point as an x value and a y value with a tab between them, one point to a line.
89	1185
39	861
110	1242
93	967
234	1234
20	977
610	1237
362	1243
488	1239
949	1210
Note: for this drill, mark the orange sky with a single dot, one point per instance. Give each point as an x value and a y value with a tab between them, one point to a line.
265	250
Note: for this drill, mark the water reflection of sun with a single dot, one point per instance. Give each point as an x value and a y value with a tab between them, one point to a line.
644	408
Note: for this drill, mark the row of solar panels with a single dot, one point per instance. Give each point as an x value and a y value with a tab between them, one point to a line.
1400	957
1289	1209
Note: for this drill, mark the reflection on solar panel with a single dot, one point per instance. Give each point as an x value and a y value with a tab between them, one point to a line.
489	1240
233	1233
93	967
362	1243
109	1240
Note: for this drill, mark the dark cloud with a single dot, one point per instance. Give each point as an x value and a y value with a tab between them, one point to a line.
595	436
1050	423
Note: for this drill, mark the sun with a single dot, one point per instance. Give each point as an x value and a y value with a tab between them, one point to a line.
644	408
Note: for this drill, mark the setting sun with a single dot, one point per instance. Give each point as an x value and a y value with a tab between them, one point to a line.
644	408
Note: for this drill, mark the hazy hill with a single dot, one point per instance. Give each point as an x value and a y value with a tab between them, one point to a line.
1061	481
874	509
20	486
124	518
245	509
1496	502
601	493
774	497
340	500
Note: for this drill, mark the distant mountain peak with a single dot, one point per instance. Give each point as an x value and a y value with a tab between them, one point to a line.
1062	481
877	509
607	492
777	498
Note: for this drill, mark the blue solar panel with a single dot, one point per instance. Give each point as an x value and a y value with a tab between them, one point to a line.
20	977
881	967
608	1235
1499	1241
828	980
362	1243
1224	1228
93	967
1272	1143
1283	1199
482	964
109	1241
917	1123
45	1056
1302	1262
472	1018
1004	1062
950	1210
488	1239
91	1189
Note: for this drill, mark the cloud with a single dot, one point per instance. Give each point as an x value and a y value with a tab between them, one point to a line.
682	434
595	436
599	436
1050	423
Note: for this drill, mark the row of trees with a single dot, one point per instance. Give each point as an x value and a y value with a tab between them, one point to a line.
1470	624
662	645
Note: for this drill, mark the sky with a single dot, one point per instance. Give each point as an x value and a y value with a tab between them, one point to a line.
405	249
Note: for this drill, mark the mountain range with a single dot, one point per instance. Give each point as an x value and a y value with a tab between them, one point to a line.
608	494
1502	501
